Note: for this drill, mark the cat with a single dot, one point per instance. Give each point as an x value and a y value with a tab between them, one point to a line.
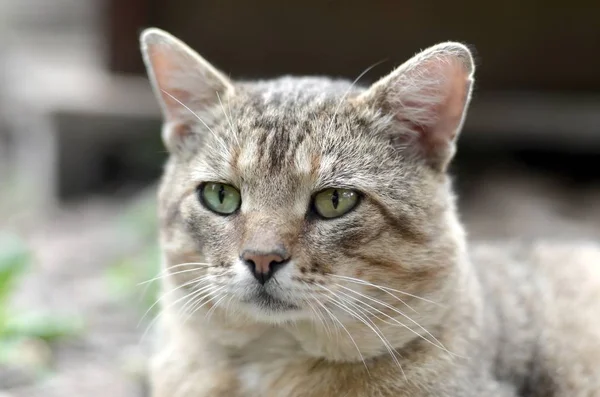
312	246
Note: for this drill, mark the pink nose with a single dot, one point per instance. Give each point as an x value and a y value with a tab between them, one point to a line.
264	264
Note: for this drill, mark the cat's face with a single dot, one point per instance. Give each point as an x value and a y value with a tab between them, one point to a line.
300	198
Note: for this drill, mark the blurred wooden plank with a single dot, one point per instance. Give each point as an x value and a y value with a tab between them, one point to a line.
60	133
124	20
534	119
519	45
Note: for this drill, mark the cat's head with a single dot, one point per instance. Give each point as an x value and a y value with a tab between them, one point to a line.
297	198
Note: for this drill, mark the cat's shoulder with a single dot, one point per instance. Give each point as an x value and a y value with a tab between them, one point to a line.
561	264
538	251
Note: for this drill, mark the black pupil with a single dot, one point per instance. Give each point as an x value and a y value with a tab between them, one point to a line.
335	199
221	193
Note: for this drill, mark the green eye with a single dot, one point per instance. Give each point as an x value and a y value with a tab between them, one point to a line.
220	198
331	203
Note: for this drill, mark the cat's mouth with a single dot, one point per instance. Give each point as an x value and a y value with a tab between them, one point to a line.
267	301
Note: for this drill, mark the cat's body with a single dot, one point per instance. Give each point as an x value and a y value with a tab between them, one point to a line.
312	248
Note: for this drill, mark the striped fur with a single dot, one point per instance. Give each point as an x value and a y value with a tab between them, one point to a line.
384	301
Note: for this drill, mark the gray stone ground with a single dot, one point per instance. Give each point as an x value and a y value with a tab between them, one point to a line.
74	247
73	251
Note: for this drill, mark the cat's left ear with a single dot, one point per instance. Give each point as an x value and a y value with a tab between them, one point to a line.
427	98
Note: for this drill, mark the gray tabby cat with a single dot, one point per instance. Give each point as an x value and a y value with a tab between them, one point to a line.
312	246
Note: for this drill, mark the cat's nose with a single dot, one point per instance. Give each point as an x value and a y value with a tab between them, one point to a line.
264	264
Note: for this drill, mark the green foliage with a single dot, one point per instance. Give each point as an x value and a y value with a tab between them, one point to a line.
17	327
139	218
14	258
127	277
44	326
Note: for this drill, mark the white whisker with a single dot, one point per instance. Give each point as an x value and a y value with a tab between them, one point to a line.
229	121
219	140
194	296
216	294
337	108
163	310
212	309
164	295
339	302
334	318
198	302
188	264
228	307
438	344
317	313
166	274
359	281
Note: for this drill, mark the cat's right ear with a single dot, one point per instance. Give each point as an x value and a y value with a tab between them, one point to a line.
184	83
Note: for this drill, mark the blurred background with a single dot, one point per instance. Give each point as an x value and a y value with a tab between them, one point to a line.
80	151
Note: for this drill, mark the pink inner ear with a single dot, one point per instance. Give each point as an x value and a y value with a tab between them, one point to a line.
166	67
434	105
453	109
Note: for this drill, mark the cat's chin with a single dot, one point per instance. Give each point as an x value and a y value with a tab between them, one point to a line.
277	317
